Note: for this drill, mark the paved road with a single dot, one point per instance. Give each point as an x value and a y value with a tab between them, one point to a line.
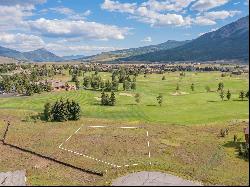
152	179
16	178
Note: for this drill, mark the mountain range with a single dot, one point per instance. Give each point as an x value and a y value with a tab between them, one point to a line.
230	42
115	55
227	43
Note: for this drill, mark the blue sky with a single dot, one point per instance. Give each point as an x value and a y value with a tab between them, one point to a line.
86	27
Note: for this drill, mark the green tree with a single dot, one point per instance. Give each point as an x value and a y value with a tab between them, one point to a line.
242	95
192	86
137	98
60	111
220	86
222	95
47	112
247	94
77	84
112	99
228	95
74	78
159	99
86	82
133	86
177	87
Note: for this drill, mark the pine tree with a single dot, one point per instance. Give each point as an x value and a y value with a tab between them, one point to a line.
75	111
160	99
47	112
112	99
133	86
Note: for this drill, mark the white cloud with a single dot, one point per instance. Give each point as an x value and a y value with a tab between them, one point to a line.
147	39
171	12
69	13
87	13
221	14
119	7
148	12
168	5
212	30
209	18
25	42
21	41
12	16
204	5
67	28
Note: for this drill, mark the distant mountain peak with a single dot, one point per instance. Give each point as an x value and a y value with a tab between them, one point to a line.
230	42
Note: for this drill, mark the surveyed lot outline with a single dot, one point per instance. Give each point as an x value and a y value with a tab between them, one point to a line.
100	160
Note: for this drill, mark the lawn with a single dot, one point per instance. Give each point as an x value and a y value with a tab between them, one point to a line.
191	107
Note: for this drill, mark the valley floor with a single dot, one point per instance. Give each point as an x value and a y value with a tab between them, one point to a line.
181	137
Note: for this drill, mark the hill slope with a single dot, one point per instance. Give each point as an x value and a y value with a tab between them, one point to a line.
41	55
6	52
115	55
228	42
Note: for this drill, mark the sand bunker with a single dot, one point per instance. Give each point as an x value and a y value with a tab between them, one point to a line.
126	94
179	93
97	98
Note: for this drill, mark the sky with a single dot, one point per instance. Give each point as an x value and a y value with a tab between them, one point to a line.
87	27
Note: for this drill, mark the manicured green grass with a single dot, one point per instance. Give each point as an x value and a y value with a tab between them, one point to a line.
194	107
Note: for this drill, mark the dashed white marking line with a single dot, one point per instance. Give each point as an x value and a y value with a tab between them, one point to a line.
149	154
77	130
74	152
68	138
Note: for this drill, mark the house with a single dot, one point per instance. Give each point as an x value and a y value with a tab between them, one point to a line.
246	132
58	85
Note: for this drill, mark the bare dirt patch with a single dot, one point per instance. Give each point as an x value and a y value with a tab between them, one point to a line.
179	93
97	98
126	94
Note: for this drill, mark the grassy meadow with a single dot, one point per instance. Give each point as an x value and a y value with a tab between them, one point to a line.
184	132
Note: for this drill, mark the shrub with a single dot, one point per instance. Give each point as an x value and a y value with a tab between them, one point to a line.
244	150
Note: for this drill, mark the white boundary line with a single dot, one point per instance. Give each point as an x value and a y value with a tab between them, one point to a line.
95	159
149	153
